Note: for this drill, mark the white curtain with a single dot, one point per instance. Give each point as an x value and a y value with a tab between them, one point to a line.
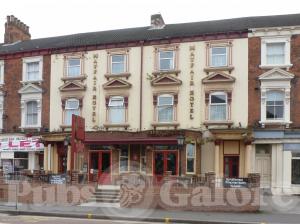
31	113
117	64
218	56
166	60
33	71
275	53
218	112
73	67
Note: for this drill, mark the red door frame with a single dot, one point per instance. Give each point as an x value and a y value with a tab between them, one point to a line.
230	165
165	156
100	152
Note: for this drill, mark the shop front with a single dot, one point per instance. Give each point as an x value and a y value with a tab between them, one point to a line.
19	152
155	155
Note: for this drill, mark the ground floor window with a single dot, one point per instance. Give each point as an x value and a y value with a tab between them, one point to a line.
124	155
231	166
190	158
295	168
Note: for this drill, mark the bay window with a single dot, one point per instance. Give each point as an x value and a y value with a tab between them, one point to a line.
165	108
275	105
218	106
71	107
190	158
116	108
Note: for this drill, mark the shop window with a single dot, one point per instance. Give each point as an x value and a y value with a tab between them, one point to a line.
275	105
124	161
218	106
116	110
31	113
165	108
71	107
166	60
190	158
73	67
295	168
143	160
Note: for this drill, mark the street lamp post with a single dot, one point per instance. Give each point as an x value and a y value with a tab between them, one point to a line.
180	143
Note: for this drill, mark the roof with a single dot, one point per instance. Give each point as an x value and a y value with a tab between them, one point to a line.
145	34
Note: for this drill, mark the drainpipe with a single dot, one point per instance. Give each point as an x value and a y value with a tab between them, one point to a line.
141	84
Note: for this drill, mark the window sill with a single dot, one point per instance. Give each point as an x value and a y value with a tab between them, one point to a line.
211	123
218	69
119	75
30	127
166	124
80	77
275	122
275	66
32	81
176	72
121	125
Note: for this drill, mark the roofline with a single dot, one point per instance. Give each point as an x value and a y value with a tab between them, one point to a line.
193	38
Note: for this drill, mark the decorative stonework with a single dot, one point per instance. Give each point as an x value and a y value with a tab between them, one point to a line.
218	77
72	86
117	84
166	80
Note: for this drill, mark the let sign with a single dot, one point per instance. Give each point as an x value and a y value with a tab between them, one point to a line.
20	143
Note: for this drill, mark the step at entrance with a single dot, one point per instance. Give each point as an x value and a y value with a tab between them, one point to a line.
106	194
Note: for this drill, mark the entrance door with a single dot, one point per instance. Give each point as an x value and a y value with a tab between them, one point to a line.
263	166
231	166
165	163
104	175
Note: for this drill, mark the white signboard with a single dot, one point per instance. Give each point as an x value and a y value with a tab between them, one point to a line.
20	144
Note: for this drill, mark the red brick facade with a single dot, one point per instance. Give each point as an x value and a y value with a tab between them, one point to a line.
254	60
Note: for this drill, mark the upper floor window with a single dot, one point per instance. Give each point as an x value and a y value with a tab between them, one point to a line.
165	108
275	105
218	106
1	72
166	60
218	57
118	63
32	69
275	52
73	67
31	113
116	107
71	107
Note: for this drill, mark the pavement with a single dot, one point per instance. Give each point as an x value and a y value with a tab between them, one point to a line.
274	209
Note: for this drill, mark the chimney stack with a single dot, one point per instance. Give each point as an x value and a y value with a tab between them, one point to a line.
15	30
157	22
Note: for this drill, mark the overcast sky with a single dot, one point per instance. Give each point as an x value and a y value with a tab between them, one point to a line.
60	17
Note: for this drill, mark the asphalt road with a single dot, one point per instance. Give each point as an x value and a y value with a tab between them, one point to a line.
8	219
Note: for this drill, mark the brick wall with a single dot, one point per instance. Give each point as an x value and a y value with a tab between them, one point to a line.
12	104
254	84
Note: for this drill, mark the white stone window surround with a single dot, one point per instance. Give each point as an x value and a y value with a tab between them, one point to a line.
276	80
24	70
287	51
1	72
24	102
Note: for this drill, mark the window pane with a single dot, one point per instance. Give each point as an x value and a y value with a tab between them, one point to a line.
190	165
68	115
165	114
31	113
117	115
275	53
275	105
72	104
275	96
33	71
116	101
218	56
117	58
190	150
165	100
218	112
218	98
73	67
166	60
295	171
117	64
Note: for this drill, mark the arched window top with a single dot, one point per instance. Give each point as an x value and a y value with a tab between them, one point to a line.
275	95
72	103
165	99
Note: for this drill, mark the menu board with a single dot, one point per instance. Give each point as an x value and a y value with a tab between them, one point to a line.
58	179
